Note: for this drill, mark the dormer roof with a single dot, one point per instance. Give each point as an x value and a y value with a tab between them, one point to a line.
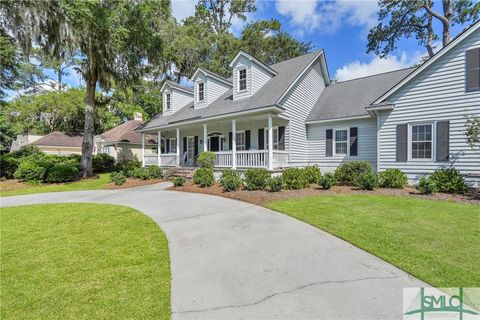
252	58
213	75
176	86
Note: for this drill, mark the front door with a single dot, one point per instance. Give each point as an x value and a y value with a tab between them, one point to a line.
190	150
215	144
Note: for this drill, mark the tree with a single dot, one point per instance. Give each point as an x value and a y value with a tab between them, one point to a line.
472	131
115	40
414	18
9	63
7	133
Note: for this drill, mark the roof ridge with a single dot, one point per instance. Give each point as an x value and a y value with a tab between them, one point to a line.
374	75
315	52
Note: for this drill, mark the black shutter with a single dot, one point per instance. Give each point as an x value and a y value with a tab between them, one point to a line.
353	141
329	143
247	139
261	139
281	138
230	141
402	140
196	145
473	69
167	145
184	144
443	141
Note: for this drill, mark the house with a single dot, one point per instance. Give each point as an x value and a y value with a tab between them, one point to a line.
60	143
123	143
291	114
23	140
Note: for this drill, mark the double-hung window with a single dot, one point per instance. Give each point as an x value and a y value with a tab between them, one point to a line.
473	70
275	137
341	142
421	141
240	140
167	101
173	145
242	79
201	91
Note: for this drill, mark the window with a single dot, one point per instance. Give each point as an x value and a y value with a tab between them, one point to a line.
473	70
242	79
275	137
341	142
173	145
167	101
421	141
240	139
201	91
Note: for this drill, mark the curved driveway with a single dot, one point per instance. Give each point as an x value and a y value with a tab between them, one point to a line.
234	260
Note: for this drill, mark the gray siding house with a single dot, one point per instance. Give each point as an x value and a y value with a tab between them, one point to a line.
291	114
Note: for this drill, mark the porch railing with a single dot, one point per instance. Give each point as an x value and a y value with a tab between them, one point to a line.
168	159
150	160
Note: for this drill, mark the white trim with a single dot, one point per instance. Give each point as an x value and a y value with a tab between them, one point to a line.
208	73
244	140
238	79
251	58
339	119
168	100
430	61
266	137
198	91
170	140
409	140
334	138
172	87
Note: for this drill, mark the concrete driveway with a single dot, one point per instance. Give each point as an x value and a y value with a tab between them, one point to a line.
234	260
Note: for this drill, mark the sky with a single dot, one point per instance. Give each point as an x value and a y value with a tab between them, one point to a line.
340	27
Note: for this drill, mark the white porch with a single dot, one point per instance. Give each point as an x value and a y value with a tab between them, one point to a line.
259	141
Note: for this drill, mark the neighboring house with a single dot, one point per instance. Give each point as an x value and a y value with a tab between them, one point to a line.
123	143
23	140
60	143
291	114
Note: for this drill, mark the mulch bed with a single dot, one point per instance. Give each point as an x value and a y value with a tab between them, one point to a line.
264	197
132	183
7	185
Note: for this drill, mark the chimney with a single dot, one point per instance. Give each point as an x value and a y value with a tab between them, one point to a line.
138	116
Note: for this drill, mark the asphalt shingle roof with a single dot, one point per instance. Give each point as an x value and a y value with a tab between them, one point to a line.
60	139
267	96
125	133
350	98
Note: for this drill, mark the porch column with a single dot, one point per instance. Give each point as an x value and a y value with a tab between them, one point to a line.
234	144
205	145
270	143
159	148
178	148
143	150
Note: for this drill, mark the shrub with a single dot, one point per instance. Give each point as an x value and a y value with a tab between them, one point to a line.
31	171
178	181
154	172
347	173
313	174
393	178
367	181
327	181
118	178
204	177
449	180
275	184
103	162
8	165
206	159
62	172
295	178
138	173
26	151
256	179
127	165
426	185
230	180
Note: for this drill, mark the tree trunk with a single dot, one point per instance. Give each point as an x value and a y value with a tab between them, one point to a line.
430	31
447	13
88	131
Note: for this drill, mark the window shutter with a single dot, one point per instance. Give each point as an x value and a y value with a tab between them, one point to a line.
443	141
281	138
184	144
196	145
230	141
402	140
353	141
167	145
261	139
329	143
473	69
247	139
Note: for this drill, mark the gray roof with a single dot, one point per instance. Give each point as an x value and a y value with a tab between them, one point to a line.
179	86
267	96
350	98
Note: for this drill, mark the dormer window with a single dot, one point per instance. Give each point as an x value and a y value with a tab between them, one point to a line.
201	91
242	79
167	101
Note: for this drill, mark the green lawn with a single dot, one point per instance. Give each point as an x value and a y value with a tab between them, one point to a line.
436	241
82	261
86	184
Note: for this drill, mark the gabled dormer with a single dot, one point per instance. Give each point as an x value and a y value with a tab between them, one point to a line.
175	97
208	87
249	75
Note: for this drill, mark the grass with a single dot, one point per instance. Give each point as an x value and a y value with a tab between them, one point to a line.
85	184
82	261
436	241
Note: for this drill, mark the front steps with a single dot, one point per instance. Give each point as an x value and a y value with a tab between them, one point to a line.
184	172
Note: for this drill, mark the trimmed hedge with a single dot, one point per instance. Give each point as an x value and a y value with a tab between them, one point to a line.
230	180
275	184
348	173
206	159
127	166
426	185
62	172
118	178
393	178
178	181
313	174
204	177
327	181
449	180
367	181
295	178
31	171
256	179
